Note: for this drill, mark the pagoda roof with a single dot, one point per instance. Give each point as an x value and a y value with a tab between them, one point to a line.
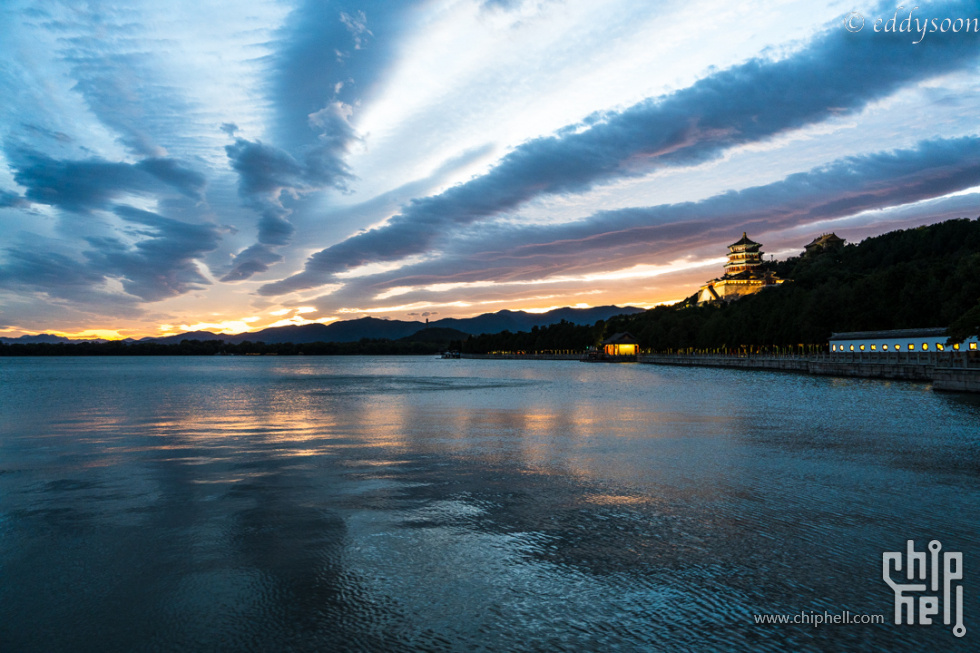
621	338
744	241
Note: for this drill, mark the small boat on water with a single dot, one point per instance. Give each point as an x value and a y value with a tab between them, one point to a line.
450	354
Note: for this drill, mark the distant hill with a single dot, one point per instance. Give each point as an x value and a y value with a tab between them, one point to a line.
190	335
343	331
437	335
422	342
47	338
374	328
41	337
523	321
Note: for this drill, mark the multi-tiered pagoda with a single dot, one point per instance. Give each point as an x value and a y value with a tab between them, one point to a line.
744	274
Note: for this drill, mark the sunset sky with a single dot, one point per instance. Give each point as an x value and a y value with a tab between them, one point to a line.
181	165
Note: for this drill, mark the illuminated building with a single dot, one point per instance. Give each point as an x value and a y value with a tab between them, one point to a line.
620	344
744	274
900	340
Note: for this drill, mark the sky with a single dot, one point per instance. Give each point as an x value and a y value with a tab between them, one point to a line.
174	166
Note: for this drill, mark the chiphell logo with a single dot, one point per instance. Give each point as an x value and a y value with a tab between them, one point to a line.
940	587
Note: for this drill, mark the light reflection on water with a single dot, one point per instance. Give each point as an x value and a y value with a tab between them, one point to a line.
413	503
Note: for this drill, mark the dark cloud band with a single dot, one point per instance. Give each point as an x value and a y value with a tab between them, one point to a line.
90	184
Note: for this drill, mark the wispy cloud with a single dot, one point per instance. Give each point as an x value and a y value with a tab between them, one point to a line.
328	57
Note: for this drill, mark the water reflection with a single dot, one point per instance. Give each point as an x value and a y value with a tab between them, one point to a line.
414	504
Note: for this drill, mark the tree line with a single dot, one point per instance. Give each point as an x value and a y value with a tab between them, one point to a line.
563	337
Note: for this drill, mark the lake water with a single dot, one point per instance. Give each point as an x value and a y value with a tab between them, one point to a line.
397	504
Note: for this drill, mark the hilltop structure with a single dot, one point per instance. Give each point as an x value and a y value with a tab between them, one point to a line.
744	274
823	243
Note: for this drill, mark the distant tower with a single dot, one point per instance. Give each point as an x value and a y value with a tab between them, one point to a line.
744	274
745	255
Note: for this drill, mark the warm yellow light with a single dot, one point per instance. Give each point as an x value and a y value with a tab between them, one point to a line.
105	334
621	350
226	326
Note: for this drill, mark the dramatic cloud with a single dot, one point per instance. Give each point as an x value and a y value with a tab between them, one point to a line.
156	260
194	163
266	173
93	183
253	260
842	188
838	73
331	56
509	253
162	262
49	272
12	200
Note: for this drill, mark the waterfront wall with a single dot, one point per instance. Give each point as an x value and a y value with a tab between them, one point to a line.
783	363
525	357
951	379
948	371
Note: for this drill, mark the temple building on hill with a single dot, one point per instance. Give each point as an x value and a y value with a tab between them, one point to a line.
822	244
744	274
